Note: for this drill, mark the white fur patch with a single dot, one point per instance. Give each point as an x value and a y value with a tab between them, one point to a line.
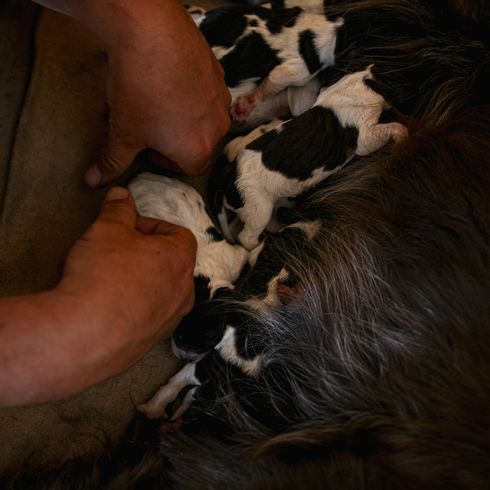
174	201
227	349
155	407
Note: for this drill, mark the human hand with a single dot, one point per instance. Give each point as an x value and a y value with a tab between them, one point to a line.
126	284
166	92
133	273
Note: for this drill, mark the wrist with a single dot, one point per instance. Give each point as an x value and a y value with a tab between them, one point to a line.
39	352
103	311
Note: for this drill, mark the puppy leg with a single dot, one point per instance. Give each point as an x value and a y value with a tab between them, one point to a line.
294	100
372	139
280	78
184	406
255	215
155	408
271	108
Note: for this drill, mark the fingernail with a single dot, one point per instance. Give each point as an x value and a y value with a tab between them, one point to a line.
93	177
117	193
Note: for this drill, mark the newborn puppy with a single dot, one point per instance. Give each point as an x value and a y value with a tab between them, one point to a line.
156	196
264	51
218	264
267	284
300	153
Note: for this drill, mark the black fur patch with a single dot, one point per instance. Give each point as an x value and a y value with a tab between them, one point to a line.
252	57
277	4
199	331
315	139
232	195
215	234
277	20
387	116
222	26
373	26
330	76
253	22
308	50
201	288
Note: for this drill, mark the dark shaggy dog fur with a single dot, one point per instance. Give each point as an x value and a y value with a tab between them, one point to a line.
377	372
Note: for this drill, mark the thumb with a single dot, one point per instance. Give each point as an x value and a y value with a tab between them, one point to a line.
114	158
118	207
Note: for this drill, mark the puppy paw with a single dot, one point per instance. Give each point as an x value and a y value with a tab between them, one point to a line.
241	109
248	241
155	408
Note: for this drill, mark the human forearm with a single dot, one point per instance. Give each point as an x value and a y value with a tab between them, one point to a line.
126	284
119	23
166	89
52	347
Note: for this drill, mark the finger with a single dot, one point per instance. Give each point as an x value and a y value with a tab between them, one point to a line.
202	166
114	158
118	207
151	226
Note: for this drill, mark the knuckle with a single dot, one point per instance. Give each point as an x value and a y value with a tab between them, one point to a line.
109	163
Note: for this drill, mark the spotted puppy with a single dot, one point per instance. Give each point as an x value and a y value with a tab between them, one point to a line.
218	264
264	51
266	285
300	153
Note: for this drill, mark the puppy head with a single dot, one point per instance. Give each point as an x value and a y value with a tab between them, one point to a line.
203	327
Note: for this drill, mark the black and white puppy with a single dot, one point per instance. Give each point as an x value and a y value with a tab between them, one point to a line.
300	153
218	263
211	333
264	51
171	200
267	285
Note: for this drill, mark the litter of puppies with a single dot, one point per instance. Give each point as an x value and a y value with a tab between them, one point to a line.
340	334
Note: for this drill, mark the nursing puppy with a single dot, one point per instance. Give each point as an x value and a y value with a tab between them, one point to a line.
377	377
377	374
267	284
265	51
300	153
218	264
210	334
